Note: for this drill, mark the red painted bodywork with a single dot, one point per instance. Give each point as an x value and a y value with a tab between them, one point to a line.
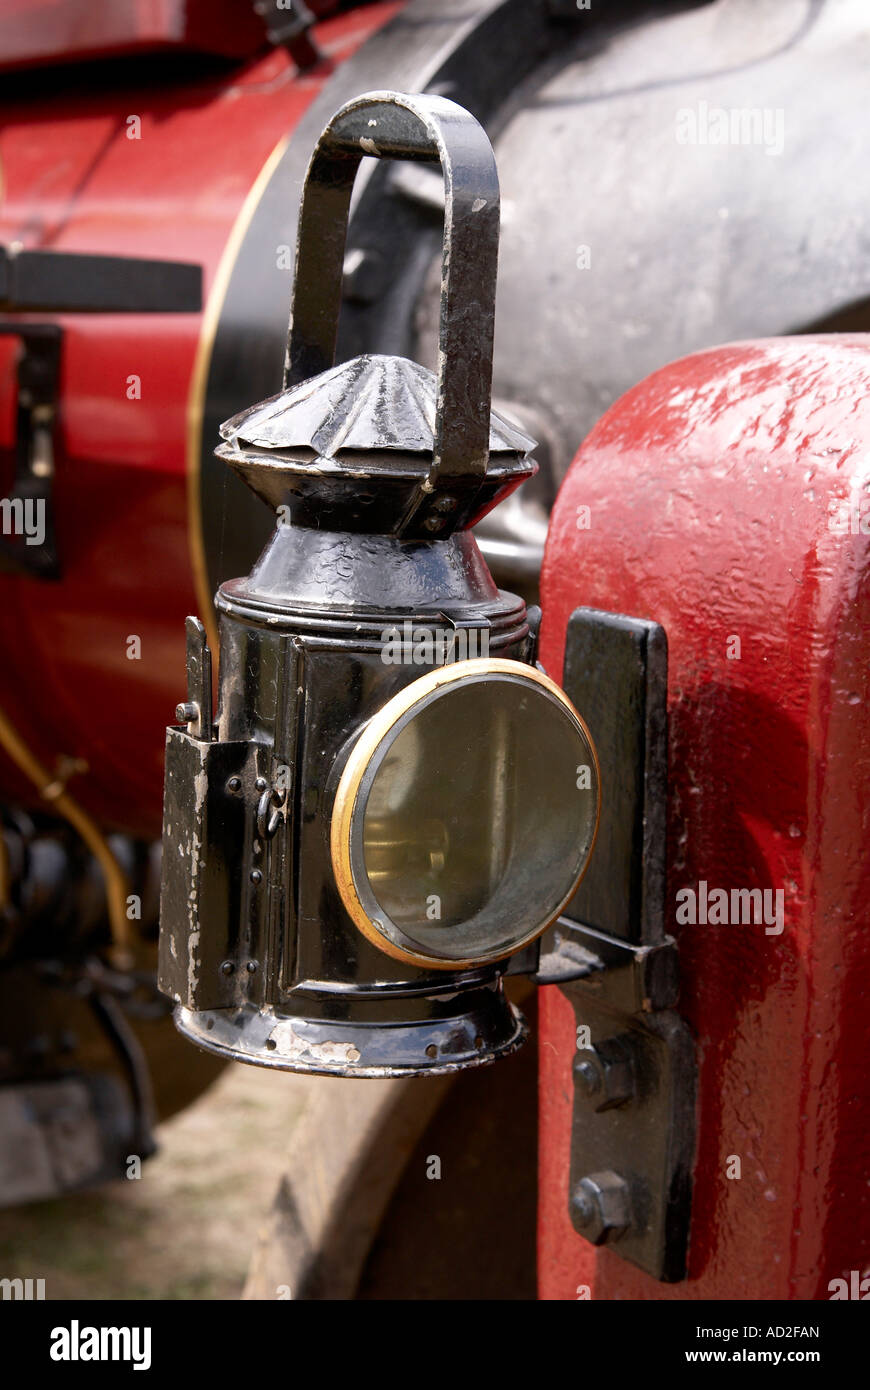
37	32
71	180
712	489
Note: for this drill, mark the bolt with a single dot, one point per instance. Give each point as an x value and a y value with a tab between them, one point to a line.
601	1207
433	523
587	1075
187	712
261	784
234	784
256	876
445	504
605	1073
251	967
227	968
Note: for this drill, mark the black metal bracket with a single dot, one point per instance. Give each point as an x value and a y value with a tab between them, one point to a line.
62	282
27	532
74	282
633	1128
196	711
289	24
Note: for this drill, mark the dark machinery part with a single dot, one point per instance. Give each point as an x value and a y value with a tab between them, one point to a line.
289	26
53	894
76	1099
75	1090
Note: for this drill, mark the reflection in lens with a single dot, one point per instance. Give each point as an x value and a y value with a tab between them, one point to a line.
478	819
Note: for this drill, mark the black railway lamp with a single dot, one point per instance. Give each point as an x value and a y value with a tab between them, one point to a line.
393	800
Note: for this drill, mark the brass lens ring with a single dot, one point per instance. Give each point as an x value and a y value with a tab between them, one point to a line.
362	764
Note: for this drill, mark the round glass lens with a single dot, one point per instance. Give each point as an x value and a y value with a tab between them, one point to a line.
474	818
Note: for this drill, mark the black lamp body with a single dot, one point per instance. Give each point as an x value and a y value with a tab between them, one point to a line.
277	973
376	471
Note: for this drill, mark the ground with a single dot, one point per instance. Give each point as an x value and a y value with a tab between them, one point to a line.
186	1228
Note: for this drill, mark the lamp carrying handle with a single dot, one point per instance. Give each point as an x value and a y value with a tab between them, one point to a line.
432	130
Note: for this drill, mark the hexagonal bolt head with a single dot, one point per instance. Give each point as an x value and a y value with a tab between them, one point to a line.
601	1207
605	1073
